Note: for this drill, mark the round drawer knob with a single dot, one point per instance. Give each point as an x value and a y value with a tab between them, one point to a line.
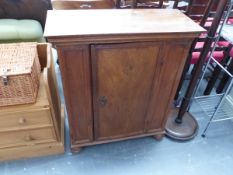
28	138
22	120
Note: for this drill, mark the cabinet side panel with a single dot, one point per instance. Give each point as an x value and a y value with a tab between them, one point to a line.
183	57
167	76
122	81
76	78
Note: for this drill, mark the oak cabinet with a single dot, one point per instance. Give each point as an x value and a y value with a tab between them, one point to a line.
120	85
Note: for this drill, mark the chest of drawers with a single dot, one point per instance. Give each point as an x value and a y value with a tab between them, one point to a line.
34	129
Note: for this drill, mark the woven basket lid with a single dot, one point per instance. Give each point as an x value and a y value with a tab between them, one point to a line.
17	58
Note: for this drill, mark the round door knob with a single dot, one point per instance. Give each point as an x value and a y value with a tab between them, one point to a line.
22	120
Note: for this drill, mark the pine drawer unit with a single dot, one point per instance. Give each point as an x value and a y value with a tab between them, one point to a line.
120	69
34	129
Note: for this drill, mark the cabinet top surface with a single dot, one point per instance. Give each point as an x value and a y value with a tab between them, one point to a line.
118	21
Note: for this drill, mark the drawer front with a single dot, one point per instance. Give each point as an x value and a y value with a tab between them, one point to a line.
83	4
26	137
25	119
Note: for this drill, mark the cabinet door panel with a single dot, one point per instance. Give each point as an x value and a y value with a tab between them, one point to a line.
76	77
167	77
122	81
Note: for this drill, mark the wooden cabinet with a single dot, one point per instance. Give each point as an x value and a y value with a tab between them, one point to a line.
119	79
34	129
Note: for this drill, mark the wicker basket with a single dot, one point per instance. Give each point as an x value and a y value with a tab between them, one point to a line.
19	73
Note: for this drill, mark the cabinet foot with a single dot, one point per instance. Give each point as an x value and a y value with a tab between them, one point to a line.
158	137
76	149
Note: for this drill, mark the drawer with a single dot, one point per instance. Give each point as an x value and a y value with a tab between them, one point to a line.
32	118
83	4
26	137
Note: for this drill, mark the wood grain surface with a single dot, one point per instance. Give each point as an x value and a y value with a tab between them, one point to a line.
118	21
120	69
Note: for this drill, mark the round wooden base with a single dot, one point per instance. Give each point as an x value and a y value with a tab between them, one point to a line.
184	131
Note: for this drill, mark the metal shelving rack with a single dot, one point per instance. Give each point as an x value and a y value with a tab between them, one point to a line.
218	107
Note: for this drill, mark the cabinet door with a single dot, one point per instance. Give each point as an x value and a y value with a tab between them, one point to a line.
76	78
122	82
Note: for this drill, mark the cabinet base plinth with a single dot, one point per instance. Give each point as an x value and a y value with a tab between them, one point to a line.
184	131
